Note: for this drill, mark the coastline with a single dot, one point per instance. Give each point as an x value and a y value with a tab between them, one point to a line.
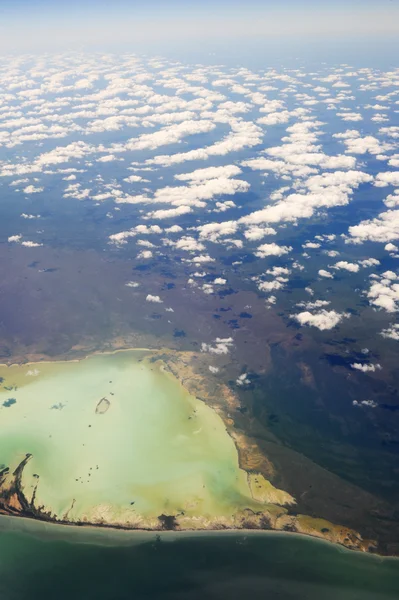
222	400
84	357
107	535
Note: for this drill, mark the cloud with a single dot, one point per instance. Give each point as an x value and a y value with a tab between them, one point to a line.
369	262
201	175
326	274
350	116
244	134
391	332
366	368
31	189
166	136
326	191
30	217
220	346
213	231
384	292
256	233
30	244
322	320
145	254
343	264
383	228
355	144
387	178
313	305
311	245
108	158
272	250
189	244
155	299
169	213
243	380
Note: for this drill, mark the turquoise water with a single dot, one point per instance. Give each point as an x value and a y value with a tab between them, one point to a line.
155	449
47	562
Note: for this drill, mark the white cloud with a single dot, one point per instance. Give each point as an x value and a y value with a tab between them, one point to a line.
201	175
366	368
30	217
311	245
213	231
383	228
322	320
166	136
30	244
272	250
326	274
256	233
169	213
31	189
145	254
391	332
313	305
244	134
155	299
387	178
220	346
343	264
384	292
369	262
243	380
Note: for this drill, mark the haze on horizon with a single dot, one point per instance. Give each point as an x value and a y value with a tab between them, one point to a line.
41	25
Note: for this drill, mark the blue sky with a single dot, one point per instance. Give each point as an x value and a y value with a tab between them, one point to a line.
47	25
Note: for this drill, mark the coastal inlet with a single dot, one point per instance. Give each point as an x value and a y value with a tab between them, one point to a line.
115	439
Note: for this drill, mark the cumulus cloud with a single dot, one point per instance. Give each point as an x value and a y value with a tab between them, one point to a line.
272	250
391	332
155	299
244	134
220	346
322	320
366	368
213	231
210	173
166	136
243	380
383	228
326	191
326	274
256	233
347	266
387	178
31	189
30	244
384	292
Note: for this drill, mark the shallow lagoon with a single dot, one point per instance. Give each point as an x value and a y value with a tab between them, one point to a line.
155	449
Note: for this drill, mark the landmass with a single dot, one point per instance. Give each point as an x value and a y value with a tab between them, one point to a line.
272	508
